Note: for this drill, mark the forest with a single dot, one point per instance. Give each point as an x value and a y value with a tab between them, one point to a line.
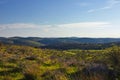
31	63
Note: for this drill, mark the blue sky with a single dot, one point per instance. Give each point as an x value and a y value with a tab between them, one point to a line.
60	18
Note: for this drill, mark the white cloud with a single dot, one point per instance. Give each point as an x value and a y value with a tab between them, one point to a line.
110	4
20	26
91	10
35	26
90	29
16	25
85	24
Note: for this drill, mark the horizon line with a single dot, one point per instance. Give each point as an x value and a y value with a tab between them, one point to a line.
54	37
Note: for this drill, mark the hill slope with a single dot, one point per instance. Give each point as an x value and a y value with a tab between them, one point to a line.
62	43
28	63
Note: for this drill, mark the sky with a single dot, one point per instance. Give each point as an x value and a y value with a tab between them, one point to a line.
60	18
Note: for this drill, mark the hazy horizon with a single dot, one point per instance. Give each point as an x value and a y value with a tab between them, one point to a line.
55	37
63	18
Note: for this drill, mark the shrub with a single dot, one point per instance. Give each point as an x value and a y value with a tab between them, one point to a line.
31	72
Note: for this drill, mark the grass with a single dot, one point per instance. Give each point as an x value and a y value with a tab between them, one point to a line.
27	63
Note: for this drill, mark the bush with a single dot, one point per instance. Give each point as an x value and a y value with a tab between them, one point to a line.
31	72
114	58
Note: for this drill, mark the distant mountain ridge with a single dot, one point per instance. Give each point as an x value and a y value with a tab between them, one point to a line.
66	42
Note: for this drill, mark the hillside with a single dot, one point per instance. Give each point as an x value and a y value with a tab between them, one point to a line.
63	43
28	63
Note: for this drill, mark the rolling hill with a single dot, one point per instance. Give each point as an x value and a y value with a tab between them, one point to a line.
62	43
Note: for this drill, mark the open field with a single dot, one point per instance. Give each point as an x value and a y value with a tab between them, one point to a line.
28	63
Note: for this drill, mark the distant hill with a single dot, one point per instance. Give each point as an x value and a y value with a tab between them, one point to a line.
62	43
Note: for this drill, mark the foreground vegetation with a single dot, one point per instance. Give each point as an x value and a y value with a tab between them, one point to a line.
27	63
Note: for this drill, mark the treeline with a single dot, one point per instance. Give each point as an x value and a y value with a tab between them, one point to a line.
83	46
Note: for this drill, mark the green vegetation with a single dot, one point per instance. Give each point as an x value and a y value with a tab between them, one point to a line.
28	63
